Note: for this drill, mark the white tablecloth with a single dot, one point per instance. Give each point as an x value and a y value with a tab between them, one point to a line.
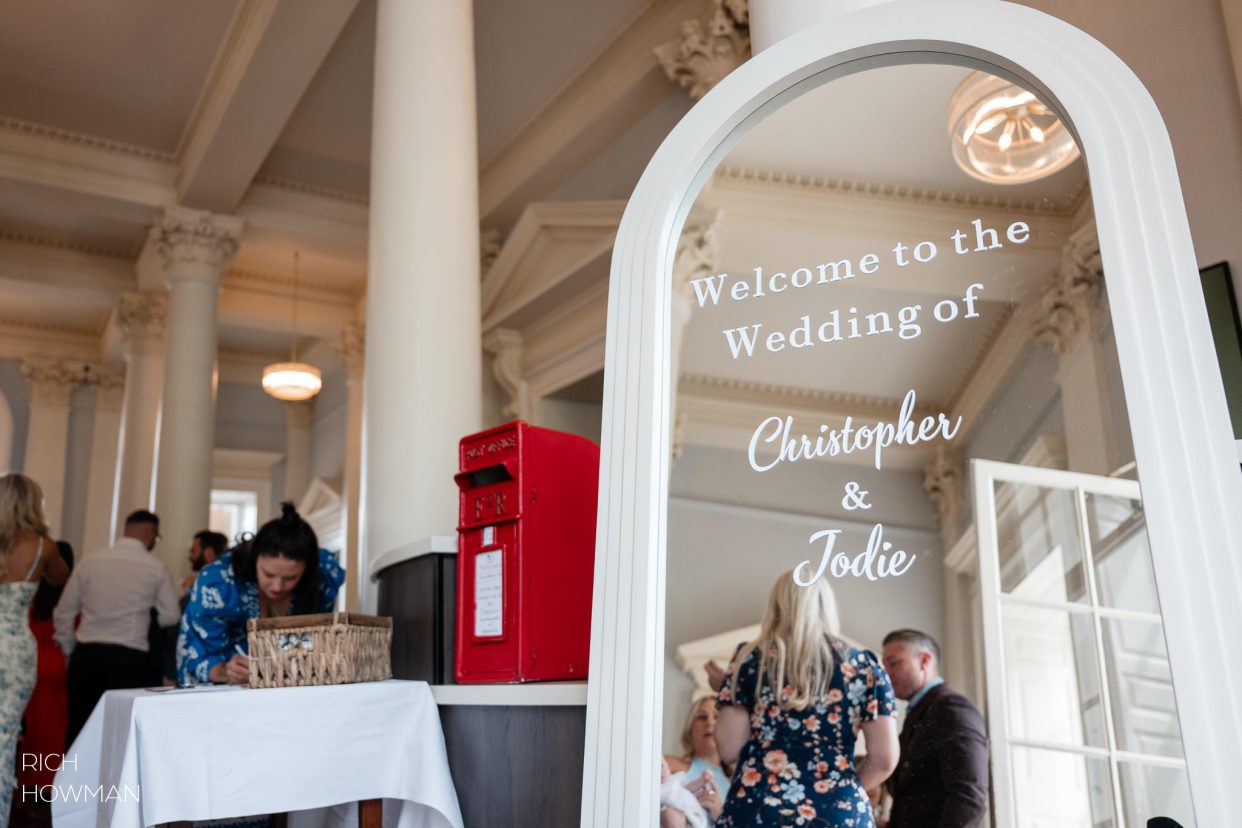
146	758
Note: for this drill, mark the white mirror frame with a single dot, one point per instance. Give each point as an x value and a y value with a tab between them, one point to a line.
1191	483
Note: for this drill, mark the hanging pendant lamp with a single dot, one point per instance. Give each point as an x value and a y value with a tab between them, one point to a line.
293	381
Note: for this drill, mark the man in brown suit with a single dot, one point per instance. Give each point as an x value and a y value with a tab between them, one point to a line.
941	780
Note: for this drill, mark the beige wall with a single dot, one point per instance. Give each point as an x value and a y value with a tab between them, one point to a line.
1180	52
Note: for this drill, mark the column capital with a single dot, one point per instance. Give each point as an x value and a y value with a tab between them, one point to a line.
299	414
490	243
51	381
350	346
191	244
141	314
696	255
944	483
108	380
709	48
1069	302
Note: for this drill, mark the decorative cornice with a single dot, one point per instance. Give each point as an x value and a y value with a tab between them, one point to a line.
237	278
82	139
709	48
1069	304
21	237
807	182
313	189
141	314
741	390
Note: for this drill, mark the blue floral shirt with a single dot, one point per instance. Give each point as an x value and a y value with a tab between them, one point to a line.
213	625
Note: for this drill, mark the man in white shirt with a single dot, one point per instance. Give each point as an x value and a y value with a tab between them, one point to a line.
114	590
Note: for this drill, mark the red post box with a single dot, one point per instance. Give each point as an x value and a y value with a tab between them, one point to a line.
525	554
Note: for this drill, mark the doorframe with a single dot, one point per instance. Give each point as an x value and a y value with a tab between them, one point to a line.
1182	437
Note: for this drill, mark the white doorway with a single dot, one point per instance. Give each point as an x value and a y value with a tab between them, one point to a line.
1081	712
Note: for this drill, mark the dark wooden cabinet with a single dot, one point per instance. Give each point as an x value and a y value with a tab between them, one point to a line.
420	594
516	765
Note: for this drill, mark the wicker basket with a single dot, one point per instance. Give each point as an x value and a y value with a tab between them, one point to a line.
328	648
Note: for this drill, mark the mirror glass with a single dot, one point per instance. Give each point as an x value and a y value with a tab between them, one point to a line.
896	375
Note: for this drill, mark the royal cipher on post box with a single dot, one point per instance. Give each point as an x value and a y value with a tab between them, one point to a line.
526	552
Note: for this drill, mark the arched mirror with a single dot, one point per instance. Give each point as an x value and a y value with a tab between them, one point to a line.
896	375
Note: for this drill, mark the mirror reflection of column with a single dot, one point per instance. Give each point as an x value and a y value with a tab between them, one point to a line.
921	238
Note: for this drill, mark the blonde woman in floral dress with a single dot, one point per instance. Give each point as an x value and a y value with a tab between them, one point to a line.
26	555
789	713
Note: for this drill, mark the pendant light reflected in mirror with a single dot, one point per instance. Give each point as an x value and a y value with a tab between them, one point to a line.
1003	134
293	381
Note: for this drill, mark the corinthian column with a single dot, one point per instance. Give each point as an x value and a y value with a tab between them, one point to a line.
109	384
141	320
423	353
192	248
51	384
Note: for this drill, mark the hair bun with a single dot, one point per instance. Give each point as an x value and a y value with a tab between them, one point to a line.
288	514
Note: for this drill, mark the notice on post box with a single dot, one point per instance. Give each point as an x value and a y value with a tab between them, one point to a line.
488	594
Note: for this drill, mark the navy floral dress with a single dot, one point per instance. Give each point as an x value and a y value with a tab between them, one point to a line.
798	766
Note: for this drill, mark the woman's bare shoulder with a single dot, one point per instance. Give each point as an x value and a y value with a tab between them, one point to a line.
21	555
677	764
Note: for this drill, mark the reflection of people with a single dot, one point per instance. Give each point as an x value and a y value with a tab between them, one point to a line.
206	548
114	589
790	706
701	763
27	554
943	775
283	572
679	807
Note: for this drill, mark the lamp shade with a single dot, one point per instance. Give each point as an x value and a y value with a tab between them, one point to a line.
292	381
1003	134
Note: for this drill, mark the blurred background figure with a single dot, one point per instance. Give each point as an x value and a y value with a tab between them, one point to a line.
27	555
705	774
113	590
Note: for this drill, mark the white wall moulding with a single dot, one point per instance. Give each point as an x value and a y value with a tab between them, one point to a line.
1181	432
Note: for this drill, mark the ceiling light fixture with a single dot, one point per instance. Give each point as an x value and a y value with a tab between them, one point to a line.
1003	134
293	381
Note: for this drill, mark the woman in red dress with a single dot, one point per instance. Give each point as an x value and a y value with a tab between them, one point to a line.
47	712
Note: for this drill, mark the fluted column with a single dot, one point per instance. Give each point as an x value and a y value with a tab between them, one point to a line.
349	346
192	248
298	417
101	493
141	320
51	384
423	356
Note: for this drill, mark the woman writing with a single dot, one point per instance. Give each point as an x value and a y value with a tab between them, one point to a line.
705	776
788	713
27	555
283	572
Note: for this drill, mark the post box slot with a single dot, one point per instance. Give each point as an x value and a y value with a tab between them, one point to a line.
488	476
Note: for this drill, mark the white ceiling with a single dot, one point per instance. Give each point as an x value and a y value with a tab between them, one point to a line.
126	71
